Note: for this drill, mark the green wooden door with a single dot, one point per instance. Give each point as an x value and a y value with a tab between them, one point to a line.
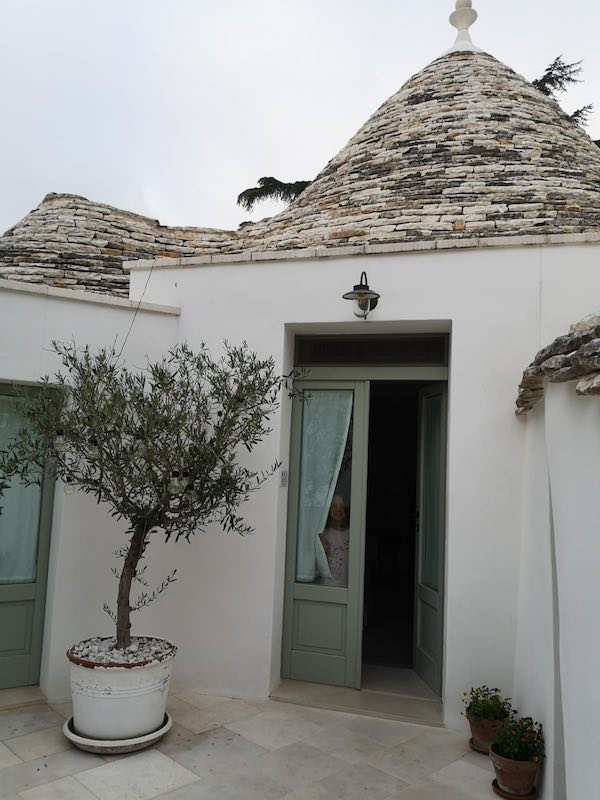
25	524
322	630
430	561
324	562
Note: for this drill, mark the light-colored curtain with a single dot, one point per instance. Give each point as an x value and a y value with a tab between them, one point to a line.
19	519
325	424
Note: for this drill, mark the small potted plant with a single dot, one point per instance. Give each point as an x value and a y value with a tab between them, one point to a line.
516	752
159	447
485	710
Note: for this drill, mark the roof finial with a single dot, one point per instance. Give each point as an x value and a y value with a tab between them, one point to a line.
462	19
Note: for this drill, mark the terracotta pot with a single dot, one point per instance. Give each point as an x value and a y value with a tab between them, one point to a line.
482	731
514	778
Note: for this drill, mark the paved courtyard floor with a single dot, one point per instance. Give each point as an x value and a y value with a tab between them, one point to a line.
224	749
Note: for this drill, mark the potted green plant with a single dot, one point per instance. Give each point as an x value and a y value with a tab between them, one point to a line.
517	751
485	710
160	448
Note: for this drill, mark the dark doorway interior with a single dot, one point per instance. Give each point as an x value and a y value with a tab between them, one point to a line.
390	529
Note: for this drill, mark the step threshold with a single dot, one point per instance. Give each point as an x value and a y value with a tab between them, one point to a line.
364	702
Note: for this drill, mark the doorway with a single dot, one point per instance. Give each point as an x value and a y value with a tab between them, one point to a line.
366	522
388	608
388	636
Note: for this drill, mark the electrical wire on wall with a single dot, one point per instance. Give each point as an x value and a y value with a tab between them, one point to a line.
137	308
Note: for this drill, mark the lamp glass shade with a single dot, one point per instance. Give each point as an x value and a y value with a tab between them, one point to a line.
363	301
363	298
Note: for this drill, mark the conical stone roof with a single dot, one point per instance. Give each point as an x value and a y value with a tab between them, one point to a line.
466	148
71	242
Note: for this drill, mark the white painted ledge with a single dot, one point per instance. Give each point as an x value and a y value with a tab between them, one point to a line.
85	297
364	249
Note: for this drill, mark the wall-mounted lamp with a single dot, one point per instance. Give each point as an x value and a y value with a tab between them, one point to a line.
364	299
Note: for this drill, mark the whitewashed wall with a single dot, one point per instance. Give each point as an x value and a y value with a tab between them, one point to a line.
536	690
83	535
573	443
490	299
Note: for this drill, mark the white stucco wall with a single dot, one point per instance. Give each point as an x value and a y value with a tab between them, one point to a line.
83	535
573	443
536	686
491	301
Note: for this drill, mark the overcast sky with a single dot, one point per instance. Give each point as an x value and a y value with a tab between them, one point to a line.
171	107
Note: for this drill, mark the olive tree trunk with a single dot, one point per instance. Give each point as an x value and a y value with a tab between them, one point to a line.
135	552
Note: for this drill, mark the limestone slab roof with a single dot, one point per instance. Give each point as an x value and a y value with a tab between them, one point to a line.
574	356
69	241
465	150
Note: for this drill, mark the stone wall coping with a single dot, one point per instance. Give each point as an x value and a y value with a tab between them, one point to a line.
364	249
86	297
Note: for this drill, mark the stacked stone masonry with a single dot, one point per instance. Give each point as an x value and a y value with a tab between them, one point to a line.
465	150
575	356
70	242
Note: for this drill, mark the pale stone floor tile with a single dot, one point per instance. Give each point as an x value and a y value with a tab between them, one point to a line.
309	791
202	719
298	763
473	781
198	699
245	782
140	776
274	728
27	720
177	734
45	770
430	790
203	752
387	732
193	791
418	757
223	713
39	744
64	709
63	789
479	760
359	781
7	757
345	744
322	717
21	696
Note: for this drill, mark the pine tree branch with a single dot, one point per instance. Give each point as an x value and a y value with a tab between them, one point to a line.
271	189
581	115
558	76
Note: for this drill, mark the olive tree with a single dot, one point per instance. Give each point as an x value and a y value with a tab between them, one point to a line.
160	446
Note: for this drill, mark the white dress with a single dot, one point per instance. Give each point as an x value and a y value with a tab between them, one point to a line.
337	546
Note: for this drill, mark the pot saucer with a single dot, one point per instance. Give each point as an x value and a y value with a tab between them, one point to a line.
474	747
501	793
114	746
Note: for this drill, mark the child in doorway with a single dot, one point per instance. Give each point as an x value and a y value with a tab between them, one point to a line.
336	543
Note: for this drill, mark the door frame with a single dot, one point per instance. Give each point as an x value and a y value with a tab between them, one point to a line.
329	377
423	593
38	589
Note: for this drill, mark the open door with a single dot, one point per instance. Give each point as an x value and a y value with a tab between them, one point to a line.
324	561
431	493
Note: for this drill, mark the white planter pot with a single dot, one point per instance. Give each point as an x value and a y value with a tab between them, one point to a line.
119	702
